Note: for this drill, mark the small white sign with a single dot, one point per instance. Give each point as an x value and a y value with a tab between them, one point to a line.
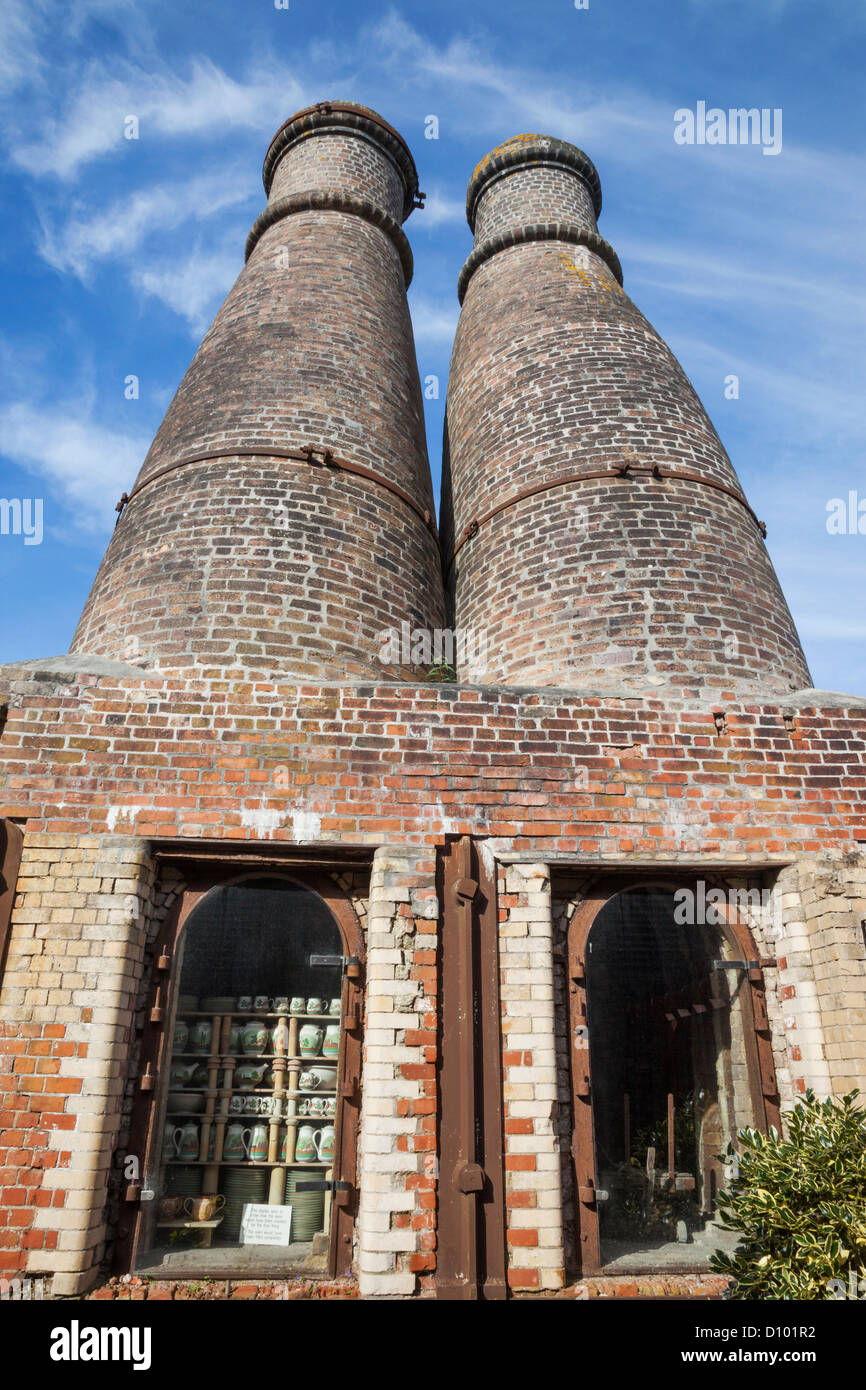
264	1225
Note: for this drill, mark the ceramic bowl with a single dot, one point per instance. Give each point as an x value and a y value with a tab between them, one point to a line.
179	1101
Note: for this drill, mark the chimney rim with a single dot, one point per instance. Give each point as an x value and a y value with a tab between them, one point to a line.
352	117
522	151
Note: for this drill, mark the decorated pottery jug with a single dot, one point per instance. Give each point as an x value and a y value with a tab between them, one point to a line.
259	1142
236	1144
235	1037
250	1075
169	1148
254	1036
201	1034
326	1144
310	1039
182	1073
187	1141
181	1036
331	1045
307	1147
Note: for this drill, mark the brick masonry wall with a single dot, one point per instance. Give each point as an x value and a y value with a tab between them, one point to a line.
97	766
579	776
533	1142
637	581
278	565
66	1008
396	1228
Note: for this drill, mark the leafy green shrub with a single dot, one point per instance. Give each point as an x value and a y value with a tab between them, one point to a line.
799	1203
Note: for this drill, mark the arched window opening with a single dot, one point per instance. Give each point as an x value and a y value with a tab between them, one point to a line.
245	1134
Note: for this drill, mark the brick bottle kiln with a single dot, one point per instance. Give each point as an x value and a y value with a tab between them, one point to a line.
498	887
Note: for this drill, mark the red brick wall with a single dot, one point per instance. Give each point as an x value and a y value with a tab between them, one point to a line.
553	772
34	1100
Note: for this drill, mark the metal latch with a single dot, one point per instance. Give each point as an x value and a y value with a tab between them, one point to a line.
350	965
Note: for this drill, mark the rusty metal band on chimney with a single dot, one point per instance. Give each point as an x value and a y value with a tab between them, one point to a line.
306	454
333	200
628	470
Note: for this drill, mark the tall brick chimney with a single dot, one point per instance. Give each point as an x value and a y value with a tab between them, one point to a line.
283	518
602	536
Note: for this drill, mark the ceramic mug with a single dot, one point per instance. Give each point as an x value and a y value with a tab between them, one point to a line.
236	1145
307	1146
315	1005
317	1106
181	1036
281	1004
310	1039
335	1008
298	1005
245	1002
236	1105
262	1003
304	1105
204	1208
331	1045
170	1208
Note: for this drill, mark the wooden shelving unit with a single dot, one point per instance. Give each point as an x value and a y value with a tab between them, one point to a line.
287	1064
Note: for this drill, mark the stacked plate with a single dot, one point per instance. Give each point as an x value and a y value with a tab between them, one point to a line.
240	1185
308	1208
182	1180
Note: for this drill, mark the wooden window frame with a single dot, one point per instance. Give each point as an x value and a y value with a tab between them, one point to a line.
155	1054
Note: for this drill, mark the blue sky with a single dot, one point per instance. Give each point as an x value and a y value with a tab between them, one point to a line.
116	253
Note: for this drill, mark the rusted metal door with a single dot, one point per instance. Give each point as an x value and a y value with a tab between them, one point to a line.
471	1245
11	845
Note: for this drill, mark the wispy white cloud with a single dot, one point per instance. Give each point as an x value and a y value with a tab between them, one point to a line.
206	103
439	209
434	321
89	464
194	285
78	242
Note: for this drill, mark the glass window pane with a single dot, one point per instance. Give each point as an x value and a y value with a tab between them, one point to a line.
670	1079
249	1109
